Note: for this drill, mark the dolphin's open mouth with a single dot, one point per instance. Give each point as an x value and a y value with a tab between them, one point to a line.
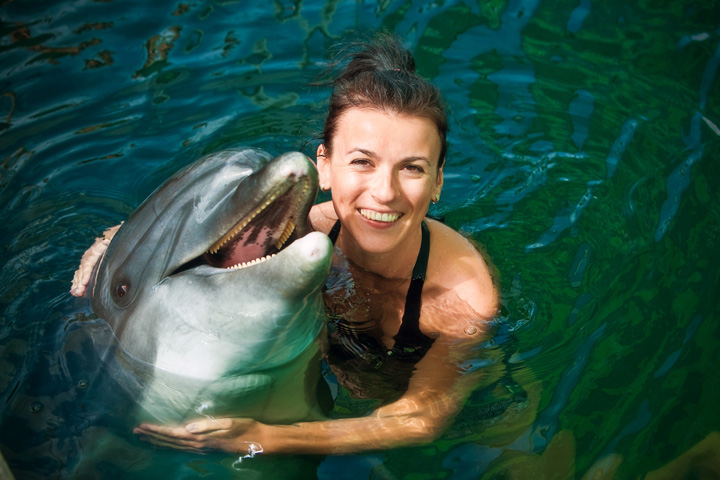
265	231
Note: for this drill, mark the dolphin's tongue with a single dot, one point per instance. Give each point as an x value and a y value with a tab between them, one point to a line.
253	243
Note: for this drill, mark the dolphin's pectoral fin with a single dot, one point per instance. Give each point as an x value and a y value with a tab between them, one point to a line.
262	233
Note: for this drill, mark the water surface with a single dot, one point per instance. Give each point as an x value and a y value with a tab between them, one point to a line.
583	156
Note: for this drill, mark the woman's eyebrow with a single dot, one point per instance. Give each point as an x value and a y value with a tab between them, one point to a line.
367	153
371	154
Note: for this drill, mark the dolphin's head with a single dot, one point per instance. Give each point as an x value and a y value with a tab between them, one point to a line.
216	263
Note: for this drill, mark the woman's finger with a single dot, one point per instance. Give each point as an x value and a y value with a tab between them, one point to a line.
209	426
162	432
176	444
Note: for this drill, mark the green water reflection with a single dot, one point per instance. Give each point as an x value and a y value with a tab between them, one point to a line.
583	156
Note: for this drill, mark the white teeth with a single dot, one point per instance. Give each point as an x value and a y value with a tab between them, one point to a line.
380	217
251	262
286	234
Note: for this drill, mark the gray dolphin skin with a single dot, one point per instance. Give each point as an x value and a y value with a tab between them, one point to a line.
213	290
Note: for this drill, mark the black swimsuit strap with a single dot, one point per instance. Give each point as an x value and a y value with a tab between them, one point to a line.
409	338
334	232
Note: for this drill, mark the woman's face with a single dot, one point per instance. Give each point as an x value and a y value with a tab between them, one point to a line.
383	171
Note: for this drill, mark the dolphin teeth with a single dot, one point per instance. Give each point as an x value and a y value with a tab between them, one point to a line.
242	265
238	228
289	228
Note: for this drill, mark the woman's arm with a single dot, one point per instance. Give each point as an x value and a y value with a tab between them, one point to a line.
437	391
89	259
443	380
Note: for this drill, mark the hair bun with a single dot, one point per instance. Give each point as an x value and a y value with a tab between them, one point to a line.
385	53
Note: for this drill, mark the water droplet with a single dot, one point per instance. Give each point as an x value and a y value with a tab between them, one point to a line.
36	407
82	384
471	330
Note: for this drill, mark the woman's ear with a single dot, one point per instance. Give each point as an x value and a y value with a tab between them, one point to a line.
323	166
438	186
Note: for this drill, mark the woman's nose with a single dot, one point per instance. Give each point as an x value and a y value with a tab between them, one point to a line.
384	187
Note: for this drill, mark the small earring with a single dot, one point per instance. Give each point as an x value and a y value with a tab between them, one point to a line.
437	198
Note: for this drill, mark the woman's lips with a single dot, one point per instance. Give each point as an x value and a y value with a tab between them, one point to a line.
379	216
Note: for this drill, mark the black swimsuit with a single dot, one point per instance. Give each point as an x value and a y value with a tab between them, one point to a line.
351	352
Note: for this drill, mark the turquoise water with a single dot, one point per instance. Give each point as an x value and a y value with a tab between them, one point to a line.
583	155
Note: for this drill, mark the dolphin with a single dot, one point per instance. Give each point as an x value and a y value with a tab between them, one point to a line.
213	291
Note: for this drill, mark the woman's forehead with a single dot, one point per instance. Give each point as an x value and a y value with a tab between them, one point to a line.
374	130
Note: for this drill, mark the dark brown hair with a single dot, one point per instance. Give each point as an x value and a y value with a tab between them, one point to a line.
381	75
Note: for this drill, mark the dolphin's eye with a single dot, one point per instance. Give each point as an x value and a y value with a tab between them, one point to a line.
121	291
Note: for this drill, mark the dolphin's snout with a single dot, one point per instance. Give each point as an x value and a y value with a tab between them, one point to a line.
315	245
294	165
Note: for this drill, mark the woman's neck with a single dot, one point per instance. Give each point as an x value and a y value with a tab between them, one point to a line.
389	265
394	265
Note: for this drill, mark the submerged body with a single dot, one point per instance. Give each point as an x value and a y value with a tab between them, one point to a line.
214	316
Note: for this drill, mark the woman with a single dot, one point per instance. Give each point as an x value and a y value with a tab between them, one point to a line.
407	326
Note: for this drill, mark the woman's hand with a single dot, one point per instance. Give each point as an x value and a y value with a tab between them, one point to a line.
233	435
89	259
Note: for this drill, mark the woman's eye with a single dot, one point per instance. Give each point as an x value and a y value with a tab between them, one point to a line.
360	162
415	168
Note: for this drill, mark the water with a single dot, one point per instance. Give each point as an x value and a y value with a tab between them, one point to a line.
583	156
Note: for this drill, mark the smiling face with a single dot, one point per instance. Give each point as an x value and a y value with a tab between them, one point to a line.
383	171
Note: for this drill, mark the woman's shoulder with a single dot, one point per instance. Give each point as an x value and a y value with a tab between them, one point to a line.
451	247
323	217
461	272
